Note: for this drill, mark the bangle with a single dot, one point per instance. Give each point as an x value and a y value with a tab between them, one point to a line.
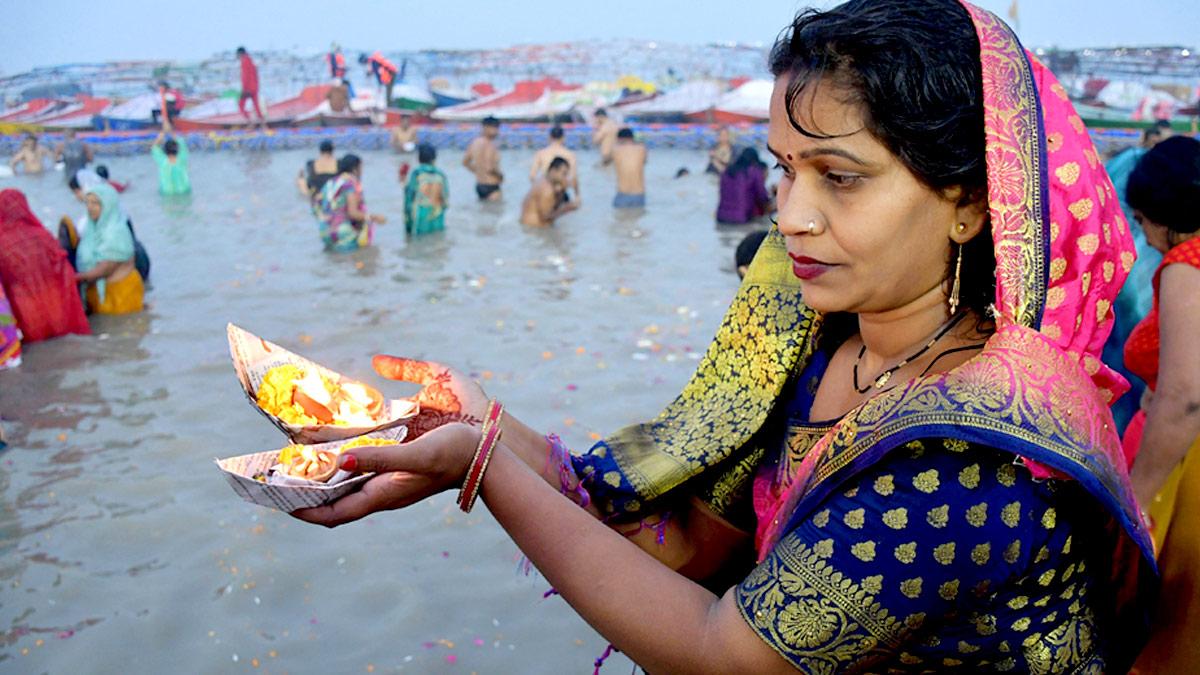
488	439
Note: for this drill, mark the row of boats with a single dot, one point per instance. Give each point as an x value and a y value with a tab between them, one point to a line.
545	100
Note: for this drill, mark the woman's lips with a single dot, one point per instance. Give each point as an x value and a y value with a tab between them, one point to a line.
808	268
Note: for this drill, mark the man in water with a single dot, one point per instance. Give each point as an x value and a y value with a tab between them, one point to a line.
31	155
249	87
721	154
483	159
544	203
556	148
73	153
384	72
404	137
604	136
629	156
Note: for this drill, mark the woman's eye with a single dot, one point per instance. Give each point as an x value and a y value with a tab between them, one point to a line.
842	179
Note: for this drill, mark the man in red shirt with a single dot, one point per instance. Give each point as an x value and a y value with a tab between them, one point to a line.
249	86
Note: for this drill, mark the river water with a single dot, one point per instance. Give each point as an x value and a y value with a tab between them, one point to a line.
122	548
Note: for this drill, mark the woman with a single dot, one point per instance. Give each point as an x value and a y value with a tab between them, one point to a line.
105	256
341	211
35	274
743	190
10	340
425	195
1164	436
318	171
898	448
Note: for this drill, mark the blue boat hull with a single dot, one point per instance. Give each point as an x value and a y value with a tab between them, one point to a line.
103	122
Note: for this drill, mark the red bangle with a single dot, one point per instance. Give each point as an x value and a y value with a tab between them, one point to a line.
488	439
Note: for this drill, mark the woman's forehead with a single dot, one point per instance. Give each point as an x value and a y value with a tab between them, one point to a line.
820	109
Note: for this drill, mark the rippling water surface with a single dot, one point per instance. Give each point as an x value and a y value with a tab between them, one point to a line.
122	549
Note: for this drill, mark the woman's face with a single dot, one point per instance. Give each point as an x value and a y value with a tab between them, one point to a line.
881	238
1156	235
94	207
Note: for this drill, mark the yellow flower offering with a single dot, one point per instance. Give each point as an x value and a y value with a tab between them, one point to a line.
305	397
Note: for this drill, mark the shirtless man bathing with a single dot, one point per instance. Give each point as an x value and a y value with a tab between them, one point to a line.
483	159
544	203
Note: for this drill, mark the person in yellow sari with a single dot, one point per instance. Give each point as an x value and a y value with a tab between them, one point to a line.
105	257
897	453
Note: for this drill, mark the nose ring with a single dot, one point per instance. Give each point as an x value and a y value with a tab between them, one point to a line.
812	225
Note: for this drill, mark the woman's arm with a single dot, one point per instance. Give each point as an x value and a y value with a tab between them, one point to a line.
1173	418
354	208
102	270
662	620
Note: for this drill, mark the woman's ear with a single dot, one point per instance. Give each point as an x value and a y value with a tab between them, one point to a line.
970	216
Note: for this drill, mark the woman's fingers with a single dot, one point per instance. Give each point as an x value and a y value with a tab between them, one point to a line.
384	458
381	493
409	370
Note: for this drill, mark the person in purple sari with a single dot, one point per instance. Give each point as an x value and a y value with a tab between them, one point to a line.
743	190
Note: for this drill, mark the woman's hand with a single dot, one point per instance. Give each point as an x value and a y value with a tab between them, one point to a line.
447	395
378	218
408	473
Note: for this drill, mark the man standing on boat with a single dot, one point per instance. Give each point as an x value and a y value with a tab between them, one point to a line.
337	68
384	71
249	87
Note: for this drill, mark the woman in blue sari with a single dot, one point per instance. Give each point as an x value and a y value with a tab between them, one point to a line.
426	195
897	453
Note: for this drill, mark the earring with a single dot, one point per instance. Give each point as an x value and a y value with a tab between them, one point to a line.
960	228
954	288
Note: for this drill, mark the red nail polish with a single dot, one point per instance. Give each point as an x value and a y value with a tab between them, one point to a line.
348	462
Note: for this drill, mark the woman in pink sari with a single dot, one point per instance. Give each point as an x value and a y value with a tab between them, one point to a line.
897	454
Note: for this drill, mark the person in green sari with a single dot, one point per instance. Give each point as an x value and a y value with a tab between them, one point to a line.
170	153
897	454
426	196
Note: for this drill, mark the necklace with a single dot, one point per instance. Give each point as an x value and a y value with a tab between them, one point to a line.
886	375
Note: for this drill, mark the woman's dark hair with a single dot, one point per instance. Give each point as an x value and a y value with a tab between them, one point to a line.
326	146
348	163
747	158
426	153
748	247
102	171
913	68
73	183
171	147
1165	184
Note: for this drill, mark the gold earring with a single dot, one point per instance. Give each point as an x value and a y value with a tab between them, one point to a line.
960	228
954	288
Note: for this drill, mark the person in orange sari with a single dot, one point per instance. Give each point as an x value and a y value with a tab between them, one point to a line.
36	275
897	454
1164	436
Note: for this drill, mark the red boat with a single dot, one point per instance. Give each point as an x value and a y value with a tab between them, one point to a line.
279	114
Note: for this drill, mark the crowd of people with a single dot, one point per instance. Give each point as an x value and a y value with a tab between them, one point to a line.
898	452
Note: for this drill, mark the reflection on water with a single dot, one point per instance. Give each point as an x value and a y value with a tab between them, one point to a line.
117	535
